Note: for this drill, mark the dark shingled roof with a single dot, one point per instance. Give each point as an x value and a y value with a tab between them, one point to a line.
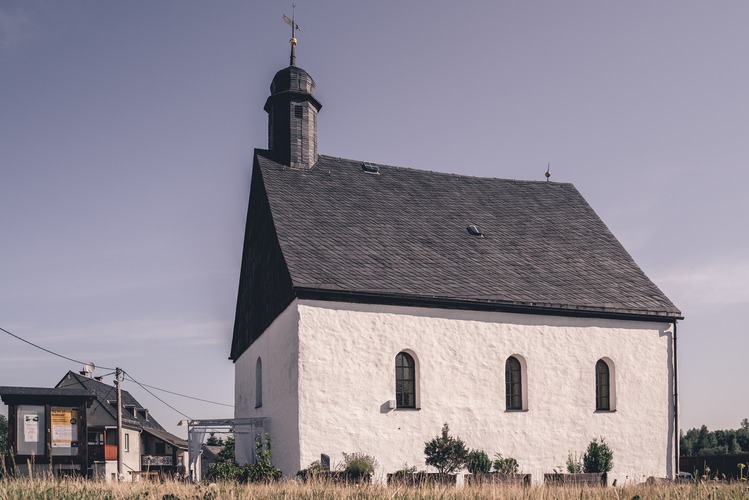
45	392
106	395
403	232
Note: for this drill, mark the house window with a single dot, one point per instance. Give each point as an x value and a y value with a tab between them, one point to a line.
405	381
513	384
298	112
159	448
258	383
603	386
127	442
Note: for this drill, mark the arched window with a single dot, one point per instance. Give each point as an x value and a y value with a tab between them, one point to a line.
603	386
513	384
405	381
258	383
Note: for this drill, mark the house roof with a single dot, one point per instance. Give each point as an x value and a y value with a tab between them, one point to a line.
106	396
168	437
403	233
44	395
44	392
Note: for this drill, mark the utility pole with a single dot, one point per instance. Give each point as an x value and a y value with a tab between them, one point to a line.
120	449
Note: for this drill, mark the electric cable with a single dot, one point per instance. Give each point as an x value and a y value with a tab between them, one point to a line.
154	395
185	395
52	352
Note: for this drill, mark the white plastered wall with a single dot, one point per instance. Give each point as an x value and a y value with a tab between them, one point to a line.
278	349
346	376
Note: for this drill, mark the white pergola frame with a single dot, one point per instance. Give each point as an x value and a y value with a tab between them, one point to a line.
196	430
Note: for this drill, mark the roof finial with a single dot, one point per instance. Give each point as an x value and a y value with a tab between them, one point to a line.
548	171
294	26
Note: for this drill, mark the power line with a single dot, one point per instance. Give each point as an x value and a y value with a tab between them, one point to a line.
186	396
154	395
144	386
51	352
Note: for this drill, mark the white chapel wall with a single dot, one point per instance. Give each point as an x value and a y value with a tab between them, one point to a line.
346	376
277	348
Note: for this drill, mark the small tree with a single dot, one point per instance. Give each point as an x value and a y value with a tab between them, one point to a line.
505	465
214	441
445	452
574	464
227	452
225	468
478	462
598	457
262	471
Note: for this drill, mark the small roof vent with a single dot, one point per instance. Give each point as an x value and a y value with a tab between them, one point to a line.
474	230
370	168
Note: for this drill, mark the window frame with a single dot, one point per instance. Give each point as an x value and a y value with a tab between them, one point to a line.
409	382
610	386
514	400
259	383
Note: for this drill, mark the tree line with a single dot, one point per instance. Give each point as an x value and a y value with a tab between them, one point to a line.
723	442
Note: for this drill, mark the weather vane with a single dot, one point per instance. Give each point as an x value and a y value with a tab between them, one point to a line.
294	26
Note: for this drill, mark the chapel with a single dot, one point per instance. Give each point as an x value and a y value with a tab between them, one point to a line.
378	302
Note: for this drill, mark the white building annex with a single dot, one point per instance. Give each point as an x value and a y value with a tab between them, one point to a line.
378	302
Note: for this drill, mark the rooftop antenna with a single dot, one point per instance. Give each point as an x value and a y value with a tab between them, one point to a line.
548	171
294	26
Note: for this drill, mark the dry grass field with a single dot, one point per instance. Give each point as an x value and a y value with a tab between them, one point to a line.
84	490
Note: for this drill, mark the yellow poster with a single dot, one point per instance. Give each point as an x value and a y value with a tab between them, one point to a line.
64	427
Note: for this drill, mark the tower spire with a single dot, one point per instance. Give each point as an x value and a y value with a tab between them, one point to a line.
294	26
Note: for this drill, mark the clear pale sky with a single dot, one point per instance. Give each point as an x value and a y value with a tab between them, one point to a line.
127	129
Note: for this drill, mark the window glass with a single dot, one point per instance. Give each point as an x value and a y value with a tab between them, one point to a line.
513	384
258	383
31	430
405	381
64	431
603	386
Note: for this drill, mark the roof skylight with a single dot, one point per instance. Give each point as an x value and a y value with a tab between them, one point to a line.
370	168
474	230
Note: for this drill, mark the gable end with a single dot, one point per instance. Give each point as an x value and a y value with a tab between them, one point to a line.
265	288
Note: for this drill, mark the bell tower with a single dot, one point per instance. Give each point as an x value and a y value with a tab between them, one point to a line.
292	113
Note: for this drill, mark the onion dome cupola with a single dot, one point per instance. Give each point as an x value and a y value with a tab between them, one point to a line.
292	114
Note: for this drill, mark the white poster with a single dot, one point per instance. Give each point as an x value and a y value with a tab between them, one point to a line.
31	428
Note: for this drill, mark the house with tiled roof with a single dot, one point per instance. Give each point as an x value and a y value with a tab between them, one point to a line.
378	302
147	446
71	429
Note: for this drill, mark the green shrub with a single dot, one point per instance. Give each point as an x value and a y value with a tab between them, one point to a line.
358	465
505	465
598	457
223	471
445	452
478	462
574	464
262	471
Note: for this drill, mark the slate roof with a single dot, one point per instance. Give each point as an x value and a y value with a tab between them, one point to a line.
402	233
106	395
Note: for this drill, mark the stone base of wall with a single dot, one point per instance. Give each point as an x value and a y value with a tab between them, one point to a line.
422	478
497	478
583	478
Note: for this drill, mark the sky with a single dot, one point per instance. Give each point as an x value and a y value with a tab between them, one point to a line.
127	131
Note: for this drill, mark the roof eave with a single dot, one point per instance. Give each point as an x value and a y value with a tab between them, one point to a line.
397	299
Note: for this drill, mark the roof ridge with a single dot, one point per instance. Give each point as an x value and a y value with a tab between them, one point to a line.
439	172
